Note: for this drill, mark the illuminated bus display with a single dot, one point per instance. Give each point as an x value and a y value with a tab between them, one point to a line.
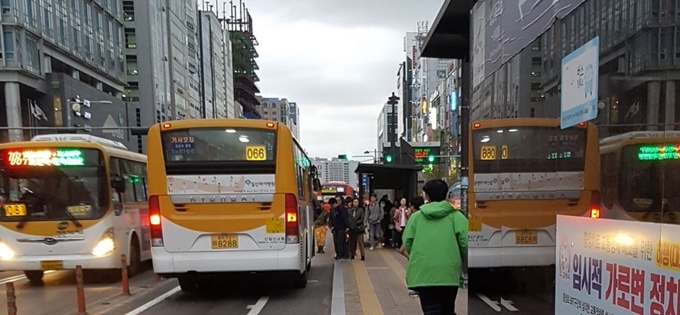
659	152
45	157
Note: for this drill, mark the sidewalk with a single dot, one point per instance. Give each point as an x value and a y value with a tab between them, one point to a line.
377	286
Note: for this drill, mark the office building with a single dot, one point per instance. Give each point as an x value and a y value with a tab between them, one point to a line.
280	110
162	59
217	80
638	57
336	170
63	66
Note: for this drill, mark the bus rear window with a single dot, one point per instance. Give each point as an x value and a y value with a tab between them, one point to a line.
529	149
219	145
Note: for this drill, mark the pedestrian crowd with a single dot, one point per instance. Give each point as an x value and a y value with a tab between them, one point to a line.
426	229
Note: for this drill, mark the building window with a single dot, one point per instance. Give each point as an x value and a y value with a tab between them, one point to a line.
6	7
130	38
131	64
8	41
132	92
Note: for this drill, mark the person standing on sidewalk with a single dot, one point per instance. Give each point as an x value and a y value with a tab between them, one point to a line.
375	216
436	244
340	224
321	229
356	234
401	217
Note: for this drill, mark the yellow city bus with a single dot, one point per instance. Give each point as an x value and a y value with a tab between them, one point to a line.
229	196
524	172
72	199
641	176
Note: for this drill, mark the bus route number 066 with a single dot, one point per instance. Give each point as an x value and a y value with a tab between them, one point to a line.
256	153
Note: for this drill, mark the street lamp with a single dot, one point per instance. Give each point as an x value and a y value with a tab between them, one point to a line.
375	154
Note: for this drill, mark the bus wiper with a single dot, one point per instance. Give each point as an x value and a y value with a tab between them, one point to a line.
72	218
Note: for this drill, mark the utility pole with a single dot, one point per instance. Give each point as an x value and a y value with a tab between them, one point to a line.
393	100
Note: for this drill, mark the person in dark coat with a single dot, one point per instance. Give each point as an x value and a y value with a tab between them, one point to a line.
340	225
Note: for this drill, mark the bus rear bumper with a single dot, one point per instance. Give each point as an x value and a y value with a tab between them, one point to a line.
497	257
169	264
60	262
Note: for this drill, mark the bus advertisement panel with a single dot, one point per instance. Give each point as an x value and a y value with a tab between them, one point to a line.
61	207
525	172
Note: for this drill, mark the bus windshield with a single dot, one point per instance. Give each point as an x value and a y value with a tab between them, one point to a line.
650	177
219	145
52	184
529	149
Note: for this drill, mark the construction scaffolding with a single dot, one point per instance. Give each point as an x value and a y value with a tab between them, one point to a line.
240	26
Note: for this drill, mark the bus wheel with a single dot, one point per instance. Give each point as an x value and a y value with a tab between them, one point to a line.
34	276
188	284
300	281
135	259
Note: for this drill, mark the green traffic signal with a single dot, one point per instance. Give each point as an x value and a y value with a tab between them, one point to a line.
388	158
430	158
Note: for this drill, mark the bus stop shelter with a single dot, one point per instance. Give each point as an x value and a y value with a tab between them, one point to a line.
402	178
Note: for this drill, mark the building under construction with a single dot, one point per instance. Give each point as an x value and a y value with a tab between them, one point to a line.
240	27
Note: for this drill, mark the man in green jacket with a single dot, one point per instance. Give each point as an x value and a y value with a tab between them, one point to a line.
436	243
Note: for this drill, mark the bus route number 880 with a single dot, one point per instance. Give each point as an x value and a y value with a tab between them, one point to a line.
256	153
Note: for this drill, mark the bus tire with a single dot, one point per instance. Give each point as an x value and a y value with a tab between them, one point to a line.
188	284
34	276
300	281
135	259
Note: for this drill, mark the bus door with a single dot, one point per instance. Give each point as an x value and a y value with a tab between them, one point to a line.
221	191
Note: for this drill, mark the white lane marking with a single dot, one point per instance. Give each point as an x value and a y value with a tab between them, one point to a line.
492	304
257	308
153	302
312	281
508	304
19	277
338	293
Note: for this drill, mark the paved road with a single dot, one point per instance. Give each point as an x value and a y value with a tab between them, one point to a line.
511	292
57	294
250	297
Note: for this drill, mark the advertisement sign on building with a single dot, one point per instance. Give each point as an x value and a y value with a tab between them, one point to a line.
580	76
502	28
616	267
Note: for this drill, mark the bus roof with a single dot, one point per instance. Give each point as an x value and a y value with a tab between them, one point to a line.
74	137
522	122
637	135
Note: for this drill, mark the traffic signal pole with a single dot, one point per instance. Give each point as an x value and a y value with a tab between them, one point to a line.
393	127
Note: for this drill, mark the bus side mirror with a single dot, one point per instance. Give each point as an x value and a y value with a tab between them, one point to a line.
118	184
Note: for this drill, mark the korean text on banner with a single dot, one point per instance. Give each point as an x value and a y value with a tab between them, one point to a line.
616	267
580	76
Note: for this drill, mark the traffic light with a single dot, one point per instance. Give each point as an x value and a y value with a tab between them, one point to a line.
430	158
388	158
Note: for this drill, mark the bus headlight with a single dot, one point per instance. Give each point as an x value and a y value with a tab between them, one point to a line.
6	253
106	245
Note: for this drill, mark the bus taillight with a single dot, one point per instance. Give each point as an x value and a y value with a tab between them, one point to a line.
595	205
292	224
155	222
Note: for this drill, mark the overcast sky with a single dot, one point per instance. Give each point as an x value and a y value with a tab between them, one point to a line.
338	59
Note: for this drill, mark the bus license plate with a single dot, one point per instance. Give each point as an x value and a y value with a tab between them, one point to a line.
526	237
224	241
15	210
51	265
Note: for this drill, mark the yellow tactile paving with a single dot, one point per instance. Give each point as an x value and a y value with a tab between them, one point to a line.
367	297
394	265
